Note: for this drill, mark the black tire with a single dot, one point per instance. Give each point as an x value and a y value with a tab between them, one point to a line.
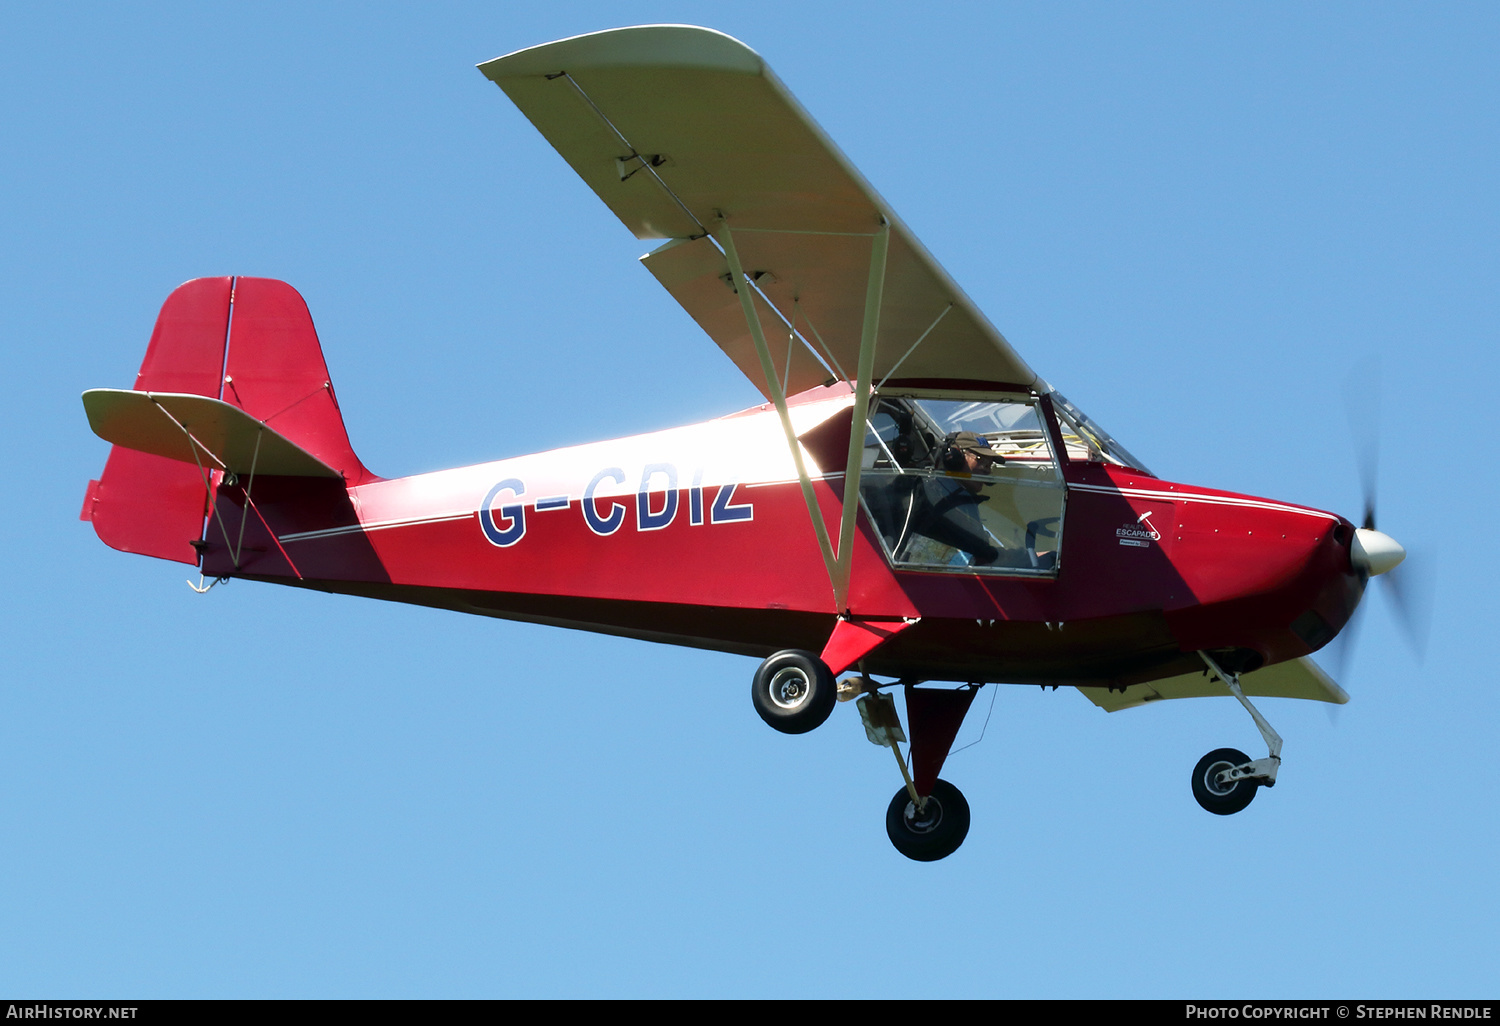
1219	800
937	831
794	691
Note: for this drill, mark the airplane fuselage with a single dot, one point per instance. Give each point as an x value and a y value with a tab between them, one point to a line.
700	536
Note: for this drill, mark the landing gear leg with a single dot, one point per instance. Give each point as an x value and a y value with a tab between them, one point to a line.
1225	780
928	818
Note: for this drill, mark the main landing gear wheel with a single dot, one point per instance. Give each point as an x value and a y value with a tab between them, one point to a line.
794	691
932	833
1222	799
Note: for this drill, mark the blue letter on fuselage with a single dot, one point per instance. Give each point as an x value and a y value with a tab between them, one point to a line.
604	524
514	515
645	520
724	513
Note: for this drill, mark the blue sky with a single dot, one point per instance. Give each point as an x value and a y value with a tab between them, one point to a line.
1192	219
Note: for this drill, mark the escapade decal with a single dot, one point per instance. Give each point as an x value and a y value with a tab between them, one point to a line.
502	514
1139	534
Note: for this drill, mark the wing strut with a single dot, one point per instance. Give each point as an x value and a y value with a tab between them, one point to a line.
838	565
874	291
725	239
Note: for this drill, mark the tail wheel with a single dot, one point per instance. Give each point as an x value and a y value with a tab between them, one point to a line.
794	691
932	832
1222	799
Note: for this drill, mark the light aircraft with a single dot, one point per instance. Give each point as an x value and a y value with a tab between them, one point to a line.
976	528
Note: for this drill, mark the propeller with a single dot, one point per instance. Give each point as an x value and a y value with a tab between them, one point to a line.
1373	552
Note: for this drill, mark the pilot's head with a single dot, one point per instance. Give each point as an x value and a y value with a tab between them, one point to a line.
966	452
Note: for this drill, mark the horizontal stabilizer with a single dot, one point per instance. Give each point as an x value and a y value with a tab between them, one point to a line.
1295	678
197	429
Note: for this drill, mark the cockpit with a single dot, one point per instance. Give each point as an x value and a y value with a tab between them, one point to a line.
974	484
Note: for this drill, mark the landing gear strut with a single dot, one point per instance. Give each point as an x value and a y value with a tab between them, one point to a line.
928	818
1226	779
795	692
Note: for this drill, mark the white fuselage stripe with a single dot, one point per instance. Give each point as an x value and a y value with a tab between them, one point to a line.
376	525
548	503
1217	500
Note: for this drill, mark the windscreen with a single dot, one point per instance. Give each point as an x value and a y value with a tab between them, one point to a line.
1088	441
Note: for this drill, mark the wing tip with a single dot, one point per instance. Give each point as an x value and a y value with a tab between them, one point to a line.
680	46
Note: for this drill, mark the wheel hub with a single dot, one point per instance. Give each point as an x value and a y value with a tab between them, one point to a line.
1212	782
789	688
926	820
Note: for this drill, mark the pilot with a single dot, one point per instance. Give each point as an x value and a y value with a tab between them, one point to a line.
947	509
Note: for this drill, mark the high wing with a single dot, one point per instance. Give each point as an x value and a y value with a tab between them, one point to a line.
1295	678
687	135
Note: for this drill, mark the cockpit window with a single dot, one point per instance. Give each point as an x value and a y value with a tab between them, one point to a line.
1089	442
961	484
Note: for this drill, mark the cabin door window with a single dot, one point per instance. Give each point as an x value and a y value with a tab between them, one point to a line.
968	485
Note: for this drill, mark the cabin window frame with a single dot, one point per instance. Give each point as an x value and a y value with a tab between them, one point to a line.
923	515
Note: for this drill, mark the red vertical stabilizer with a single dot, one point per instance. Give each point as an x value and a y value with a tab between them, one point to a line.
275	372
249	342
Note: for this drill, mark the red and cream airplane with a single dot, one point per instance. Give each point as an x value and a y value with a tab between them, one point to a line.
977	528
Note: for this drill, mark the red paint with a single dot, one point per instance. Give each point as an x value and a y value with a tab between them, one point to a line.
935	714
852	640
275	372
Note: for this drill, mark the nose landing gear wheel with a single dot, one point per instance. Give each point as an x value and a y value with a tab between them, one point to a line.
1222	799
932	833
794	691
